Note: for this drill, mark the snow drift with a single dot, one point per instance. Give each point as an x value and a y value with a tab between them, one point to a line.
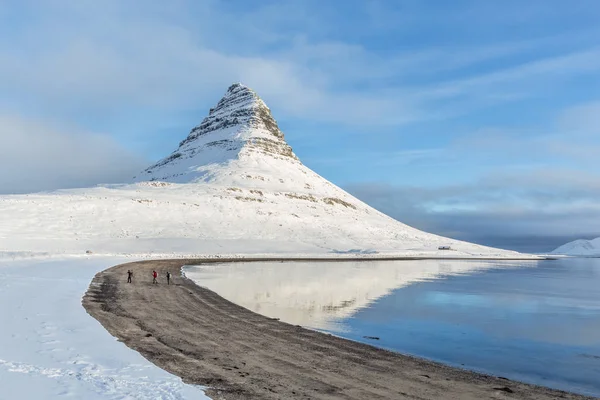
233	186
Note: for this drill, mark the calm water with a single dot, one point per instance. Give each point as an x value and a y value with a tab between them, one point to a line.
537	322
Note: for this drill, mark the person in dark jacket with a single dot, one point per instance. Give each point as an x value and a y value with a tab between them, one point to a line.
168	278
154	275
129	275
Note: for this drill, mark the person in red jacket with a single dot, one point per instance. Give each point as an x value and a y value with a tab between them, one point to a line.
154	275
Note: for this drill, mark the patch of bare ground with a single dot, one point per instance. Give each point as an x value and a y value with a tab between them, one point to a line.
246	198
307	197
332	201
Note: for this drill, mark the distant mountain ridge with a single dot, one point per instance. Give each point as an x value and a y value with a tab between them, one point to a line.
580	247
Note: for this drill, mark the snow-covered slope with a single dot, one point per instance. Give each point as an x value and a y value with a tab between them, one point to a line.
581	248
233	186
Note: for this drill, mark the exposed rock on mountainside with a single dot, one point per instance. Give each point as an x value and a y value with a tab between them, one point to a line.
240	125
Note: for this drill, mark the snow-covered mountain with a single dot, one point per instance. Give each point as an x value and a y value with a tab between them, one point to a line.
580	248
233	186
239	137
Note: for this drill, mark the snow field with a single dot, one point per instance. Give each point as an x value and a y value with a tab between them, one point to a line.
52	349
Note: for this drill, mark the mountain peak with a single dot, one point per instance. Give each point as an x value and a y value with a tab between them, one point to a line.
236	86
240	105
240	126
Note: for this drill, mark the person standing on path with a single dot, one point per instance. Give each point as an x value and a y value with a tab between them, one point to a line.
154	275
168	278
129	275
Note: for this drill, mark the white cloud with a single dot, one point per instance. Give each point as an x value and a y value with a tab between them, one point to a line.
37	156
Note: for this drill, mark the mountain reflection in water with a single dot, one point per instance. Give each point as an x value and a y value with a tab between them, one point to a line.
320	294
536	322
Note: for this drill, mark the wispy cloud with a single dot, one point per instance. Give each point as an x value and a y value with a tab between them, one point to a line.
572	137
385	159
37	156
583	119
103	57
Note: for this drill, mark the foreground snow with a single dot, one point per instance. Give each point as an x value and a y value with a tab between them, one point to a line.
580	248
51	348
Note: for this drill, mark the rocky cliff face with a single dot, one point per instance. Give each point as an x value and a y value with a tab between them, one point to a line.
241	107
239	126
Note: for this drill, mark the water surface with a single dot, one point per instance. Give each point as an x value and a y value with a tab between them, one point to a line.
537	322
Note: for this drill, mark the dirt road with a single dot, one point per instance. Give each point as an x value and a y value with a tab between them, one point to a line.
194	333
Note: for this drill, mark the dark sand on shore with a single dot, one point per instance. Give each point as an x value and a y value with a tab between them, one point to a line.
194	333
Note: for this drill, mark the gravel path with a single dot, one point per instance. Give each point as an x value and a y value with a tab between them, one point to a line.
194	333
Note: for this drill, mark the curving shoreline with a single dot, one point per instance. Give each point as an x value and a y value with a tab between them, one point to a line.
194	333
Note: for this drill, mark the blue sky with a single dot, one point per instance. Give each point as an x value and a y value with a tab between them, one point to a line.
475	119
